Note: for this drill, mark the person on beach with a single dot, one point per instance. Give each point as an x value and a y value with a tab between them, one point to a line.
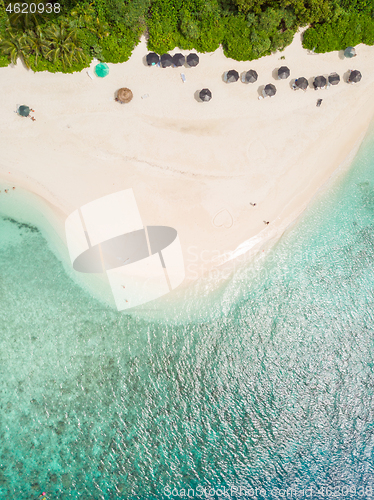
253	204
266	222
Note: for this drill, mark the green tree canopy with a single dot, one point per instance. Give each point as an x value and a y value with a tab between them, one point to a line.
110	29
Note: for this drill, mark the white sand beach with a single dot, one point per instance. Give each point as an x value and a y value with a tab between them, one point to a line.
193	166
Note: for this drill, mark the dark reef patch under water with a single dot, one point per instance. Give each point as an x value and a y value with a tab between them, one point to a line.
21	225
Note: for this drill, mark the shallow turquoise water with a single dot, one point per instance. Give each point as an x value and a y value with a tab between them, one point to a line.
277	392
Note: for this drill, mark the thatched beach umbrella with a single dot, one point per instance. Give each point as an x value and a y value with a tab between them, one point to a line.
192	60
152	59
232	76
23	110
350	52
101	70
124	95
319	82
178	59
301	83
355	76
270	90
205	95
334	78
250	76
166	60
283	73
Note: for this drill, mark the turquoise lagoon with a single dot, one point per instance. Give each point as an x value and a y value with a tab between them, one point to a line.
268	385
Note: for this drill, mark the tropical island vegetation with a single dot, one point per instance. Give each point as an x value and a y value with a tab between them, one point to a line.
65	35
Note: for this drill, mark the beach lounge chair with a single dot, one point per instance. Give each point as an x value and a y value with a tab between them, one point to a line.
90	75
183	76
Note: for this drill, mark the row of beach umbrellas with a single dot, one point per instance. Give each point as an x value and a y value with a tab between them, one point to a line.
247	77
318	82
251	75
192	60
333	79
167	60
300	83
284	72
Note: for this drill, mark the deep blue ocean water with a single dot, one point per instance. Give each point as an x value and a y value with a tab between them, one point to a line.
275	393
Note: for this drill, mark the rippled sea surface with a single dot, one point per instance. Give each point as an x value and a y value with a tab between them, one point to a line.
277	393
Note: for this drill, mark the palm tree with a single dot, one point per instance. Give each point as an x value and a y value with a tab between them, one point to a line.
85	17
82	15
36	42
61	42
24	20
15	46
